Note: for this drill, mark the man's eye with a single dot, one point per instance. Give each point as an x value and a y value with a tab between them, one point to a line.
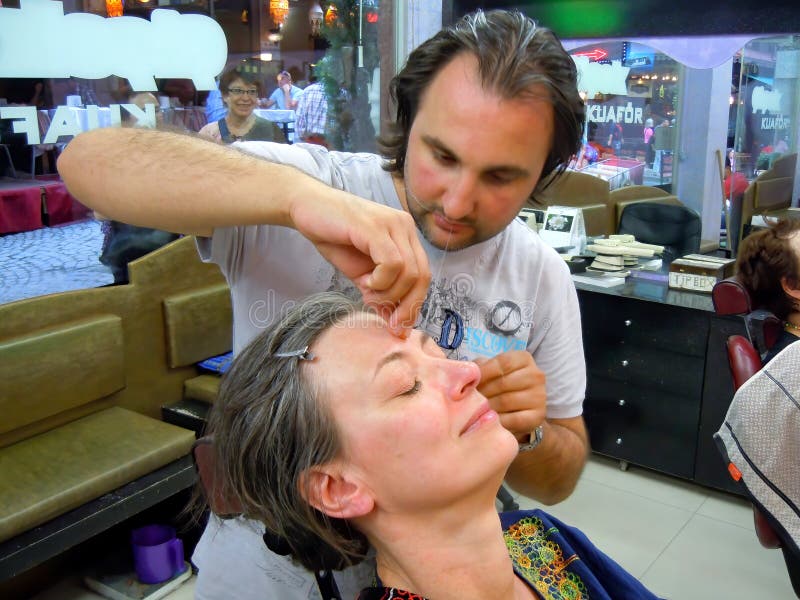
414	389
443	158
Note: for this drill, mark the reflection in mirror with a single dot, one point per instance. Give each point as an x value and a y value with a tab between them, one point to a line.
669	113
49	242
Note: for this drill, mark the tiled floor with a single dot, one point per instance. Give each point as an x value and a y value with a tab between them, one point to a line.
683	541
51	260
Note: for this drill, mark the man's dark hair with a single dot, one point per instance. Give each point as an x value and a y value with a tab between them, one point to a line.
514	55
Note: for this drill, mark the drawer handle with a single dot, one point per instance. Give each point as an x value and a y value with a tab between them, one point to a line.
619	441
628	322
622	402
624	363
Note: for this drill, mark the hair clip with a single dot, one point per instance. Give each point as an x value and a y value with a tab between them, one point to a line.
302	354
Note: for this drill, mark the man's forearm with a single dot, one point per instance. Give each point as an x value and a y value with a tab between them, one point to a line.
550	471
177	182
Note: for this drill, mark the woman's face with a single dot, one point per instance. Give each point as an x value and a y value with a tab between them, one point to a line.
241	98
414	428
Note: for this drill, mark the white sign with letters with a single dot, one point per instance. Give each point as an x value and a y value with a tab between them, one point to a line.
39	40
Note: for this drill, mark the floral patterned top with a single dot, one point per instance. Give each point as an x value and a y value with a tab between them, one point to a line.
557	561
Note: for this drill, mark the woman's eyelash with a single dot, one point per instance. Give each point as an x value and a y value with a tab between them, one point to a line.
414	389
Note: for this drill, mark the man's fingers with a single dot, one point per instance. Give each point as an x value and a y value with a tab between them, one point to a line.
521	379
522	421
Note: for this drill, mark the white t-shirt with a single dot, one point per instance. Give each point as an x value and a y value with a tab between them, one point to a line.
507	293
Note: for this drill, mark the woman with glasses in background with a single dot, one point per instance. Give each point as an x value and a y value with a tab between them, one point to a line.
240	92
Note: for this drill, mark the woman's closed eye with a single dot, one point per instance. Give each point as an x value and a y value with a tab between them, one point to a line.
413	389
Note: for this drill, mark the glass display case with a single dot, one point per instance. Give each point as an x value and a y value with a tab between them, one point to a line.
618	172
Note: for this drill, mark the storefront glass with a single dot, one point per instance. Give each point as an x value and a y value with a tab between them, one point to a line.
70	66
632	95
765	103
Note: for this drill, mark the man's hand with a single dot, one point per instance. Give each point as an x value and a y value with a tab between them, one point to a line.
515	388
373	245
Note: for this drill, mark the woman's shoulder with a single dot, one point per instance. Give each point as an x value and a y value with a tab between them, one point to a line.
211	130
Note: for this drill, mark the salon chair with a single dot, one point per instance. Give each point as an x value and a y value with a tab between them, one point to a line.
675	227
730	297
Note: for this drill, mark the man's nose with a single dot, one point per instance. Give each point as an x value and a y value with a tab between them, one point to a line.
459	199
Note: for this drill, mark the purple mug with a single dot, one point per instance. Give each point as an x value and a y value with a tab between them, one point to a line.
157	553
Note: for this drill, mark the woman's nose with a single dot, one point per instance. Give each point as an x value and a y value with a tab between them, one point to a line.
461	378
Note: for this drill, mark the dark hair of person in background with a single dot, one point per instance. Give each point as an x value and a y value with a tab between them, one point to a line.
765	261
232	75
514	56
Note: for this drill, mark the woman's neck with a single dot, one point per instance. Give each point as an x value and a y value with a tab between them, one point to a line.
239	125
793	323
449	554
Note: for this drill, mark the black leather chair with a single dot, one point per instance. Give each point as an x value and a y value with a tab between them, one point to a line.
677	228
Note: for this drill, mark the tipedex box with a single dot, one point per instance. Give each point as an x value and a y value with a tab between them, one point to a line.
699	273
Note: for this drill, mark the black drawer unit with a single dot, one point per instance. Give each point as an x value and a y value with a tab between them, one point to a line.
656	378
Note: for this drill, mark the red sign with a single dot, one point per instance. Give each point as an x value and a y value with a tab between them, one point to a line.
595	55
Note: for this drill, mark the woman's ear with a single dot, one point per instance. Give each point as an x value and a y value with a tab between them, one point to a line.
789	290
334	493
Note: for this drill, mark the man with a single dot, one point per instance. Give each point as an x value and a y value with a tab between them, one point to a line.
286	95
312	115
486	111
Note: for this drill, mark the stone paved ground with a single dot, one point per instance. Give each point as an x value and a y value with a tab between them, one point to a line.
51	260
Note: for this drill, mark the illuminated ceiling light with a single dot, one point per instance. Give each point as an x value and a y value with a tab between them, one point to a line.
330	15
278	9
114	8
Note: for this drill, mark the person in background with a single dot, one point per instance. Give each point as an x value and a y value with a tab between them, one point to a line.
768	265
123	243
734	184
287	95
312	115
142	100
615	136
285	221
340	437
649	151
240	92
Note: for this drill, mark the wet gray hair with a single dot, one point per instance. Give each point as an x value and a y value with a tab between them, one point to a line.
270	425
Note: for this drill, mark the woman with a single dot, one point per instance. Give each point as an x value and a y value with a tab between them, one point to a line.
649	151
240	92
768	265
339	436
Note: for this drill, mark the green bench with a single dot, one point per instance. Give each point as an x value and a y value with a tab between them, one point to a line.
83	379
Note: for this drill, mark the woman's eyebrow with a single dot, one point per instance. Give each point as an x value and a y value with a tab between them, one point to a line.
398	354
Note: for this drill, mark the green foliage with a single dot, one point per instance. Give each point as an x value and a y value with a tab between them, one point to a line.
343	31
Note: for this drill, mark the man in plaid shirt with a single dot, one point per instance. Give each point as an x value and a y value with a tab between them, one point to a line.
312	115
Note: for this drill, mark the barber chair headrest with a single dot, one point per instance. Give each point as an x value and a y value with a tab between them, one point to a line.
203	454
730	297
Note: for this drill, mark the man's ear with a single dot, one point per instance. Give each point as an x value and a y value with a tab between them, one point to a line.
334	493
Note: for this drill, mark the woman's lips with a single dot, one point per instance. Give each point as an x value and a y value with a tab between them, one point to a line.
484	414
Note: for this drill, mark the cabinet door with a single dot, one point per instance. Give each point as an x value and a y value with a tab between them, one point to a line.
645	366
643	425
